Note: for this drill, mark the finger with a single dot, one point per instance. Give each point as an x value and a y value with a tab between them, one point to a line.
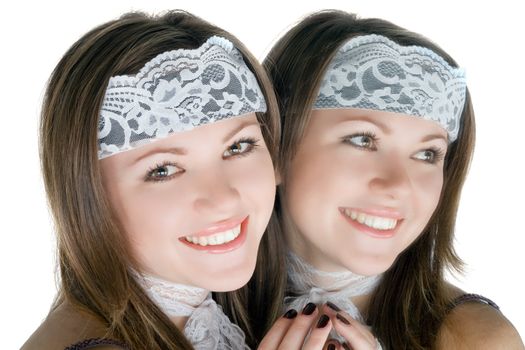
356	335
365	330
298	330
274	336
333	310
318	334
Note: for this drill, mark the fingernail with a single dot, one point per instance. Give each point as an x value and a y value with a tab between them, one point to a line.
346	346
333	306
342	319
290	314
309	309
323	321
331	347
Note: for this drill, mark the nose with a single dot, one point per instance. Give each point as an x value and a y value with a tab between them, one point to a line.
391	177
215	194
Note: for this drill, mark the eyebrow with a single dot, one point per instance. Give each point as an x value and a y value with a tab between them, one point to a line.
387	130
172	150
184	151
364	118
239	128
434	137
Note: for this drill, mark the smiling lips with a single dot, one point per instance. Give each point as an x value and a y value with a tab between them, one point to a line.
216	239
375	225
221	238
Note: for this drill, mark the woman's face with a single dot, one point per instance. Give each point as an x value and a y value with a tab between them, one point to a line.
195	204
362	187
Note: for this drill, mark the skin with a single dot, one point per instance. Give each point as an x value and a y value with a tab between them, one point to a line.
371	161
215	177
398	175
219	177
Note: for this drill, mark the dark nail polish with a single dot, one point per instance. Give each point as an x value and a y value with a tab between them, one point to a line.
331	347
346	346
290	314
342	319
333	306
323	321
309	309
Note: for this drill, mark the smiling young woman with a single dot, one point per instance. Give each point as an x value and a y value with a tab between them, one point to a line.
378	134
158	137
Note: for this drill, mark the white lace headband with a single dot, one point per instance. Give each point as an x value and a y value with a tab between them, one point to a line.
373	72
177	91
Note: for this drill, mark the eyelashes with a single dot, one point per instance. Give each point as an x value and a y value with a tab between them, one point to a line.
167	170
154	174
240	148
432	155
368	141
363	140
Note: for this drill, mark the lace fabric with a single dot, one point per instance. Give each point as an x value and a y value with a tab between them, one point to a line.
308	284
207	326
373	72
177	91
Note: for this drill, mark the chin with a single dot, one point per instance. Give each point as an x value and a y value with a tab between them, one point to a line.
226	281
370	266
230	283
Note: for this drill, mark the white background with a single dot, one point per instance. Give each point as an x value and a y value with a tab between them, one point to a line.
485	39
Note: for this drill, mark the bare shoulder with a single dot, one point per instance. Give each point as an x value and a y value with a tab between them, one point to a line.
474	325
65	326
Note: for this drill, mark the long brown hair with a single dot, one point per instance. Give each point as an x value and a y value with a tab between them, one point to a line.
408	307
89	237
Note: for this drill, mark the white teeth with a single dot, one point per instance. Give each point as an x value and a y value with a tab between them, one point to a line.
376	222
217	238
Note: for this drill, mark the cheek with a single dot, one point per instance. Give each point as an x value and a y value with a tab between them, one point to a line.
254	180
427	190
429	187
314	180
152	217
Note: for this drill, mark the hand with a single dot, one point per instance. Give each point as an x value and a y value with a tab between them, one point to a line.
357	335
308	330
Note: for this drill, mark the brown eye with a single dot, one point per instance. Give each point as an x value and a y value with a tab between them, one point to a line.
240	147
163	172
365	141
431	156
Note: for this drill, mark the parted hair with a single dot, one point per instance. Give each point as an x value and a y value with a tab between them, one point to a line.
409	305
94	257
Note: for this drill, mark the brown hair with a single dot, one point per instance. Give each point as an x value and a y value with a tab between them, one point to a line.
89	236
407	308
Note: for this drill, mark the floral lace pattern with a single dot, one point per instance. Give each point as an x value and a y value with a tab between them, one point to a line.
207	327
307	284
177	91
373	72
173	299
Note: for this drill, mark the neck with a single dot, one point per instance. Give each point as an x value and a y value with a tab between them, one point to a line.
321	286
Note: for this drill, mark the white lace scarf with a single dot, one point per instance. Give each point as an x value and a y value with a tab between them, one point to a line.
207	326
307	284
